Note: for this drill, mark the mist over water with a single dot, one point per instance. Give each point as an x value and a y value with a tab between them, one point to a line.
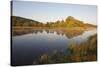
28	47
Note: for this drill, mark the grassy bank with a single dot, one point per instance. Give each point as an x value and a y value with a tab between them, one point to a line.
86	51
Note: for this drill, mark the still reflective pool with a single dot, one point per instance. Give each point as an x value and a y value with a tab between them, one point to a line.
28	47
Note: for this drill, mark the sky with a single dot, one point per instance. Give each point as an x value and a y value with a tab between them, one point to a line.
50	12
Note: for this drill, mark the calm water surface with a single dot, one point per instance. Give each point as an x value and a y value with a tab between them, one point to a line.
26	48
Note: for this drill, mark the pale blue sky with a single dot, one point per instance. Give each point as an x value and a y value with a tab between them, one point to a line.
43	12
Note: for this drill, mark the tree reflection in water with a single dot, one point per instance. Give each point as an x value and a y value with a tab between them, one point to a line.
69	33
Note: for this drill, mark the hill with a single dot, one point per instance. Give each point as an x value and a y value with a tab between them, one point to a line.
69	22
20	21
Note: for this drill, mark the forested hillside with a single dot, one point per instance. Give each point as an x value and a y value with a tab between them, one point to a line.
69	22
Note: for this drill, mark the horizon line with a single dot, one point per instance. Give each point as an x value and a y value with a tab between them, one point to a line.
54	21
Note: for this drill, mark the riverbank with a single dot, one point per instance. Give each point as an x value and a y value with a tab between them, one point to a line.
83	52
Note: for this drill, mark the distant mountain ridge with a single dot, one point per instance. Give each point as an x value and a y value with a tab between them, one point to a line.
68	22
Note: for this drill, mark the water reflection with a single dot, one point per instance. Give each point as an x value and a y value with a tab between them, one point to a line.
30	44
69	33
